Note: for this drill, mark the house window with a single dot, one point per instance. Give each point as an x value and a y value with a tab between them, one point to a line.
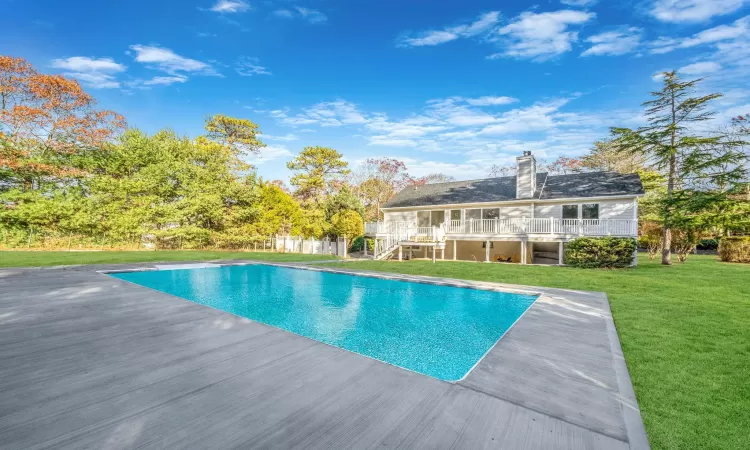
423	218
590	211
493	213
437	218
570	211
473	214
484	244
455	214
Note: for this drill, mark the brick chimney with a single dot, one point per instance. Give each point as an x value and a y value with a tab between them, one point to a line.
526	176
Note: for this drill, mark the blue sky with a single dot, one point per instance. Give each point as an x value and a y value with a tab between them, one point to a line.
448	87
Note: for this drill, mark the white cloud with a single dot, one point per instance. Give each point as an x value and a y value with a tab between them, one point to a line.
582	3
284	13
325	114
614	43
700	68
248	67
298	12
659	75
85	64
693	10
269	153
287	137
312	15
540	36
95	80
168	61
165	81
738	29
436	37
535	118
490	101
97	73
230	6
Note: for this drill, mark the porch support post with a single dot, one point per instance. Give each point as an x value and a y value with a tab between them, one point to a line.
400	252
454	249
523	252
487	251
560	253
364	239
434	247
442	253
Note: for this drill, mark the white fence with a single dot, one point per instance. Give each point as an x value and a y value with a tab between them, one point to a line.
298	244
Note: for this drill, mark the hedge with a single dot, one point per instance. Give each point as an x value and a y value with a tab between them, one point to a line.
605	252
735	249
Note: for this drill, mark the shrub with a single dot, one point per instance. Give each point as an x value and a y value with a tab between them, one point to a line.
347	224
606	252
735	249
651	239
358	244
684	243
708	244
652	244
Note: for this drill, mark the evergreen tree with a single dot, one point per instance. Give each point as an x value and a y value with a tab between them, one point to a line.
671	144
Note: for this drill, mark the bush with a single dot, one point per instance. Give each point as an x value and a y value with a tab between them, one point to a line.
359	242
606	252
708	244
652	244
735	249
651	238
684	242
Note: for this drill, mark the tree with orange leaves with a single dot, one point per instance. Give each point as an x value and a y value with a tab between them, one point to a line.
49	127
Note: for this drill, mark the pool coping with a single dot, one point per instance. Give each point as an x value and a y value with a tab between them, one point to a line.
633	424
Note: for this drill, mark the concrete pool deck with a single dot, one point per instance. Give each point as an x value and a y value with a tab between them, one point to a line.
93	361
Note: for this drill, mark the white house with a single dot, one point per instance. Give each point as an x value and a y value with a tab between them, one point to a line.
525	219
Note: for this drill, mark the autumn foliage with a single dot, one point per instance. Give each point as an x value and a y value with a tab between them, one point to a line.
48	124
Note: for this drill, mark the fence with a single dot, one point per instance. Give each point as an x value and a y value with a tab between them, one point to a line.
298	244
21	239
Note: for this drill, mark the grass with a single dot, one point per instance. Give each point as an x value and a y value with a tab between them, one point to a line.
40	258
685	331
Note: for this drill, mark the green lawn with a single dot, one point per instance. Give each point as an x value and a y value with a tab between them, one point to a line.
685	331
32	258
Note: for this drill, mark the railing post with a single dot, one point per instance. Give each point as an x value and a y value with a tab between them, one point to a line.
551	225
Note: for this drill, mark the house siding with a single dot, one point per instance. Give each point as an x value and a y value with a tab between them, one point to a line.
400	216
608	209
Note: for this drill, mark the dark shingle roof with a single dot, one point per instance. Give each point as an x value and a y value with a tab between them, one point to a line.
503	189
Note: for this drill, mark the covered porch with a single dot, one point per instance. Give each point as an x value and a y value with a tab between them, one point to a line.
500	251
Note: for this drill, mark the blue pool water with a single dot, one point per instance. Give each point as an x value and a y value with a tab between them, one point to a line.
439	331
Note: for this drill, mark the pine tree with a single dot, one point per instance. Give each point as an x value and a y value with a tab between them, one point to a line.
671	144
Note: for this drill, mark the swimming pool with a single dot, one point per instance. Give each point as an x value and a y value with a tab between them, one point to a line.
440	331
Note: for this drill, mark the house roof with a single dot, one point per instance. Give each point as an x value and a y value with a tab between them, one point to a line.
503	189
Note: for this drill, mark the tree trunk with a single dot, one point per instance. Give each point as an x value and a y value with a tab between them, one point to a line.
666	246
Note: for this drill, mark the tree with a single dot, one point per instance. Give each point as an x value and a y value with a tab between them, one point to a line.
432	178
605	156
51	130
376	181
563	166
316	169
669	143
342	200
498	170
239	134
347	224
279	213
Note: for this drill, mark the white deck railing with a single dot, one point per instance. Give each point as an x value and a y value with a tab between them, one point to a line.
579	227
